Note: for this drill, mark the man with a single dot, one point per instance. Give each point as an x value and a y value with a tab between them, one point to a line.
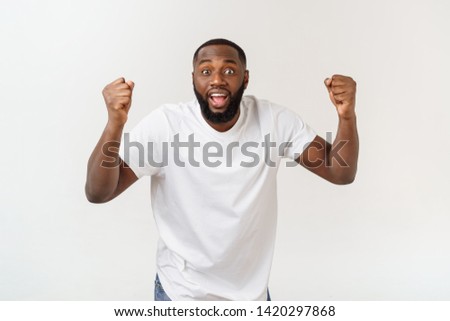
213	164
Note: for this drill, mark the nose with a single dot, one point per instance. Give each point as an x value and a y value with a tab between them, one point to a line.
217	79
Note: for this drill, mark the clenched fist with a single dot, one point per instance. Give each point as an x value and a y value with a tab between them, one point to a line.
342	90
117	97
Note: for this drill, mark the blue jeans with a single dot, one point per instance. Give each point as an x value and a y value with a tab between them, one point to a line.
160	294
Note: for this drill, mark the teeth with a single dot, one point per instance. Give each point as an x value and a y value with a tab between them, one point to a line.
218	95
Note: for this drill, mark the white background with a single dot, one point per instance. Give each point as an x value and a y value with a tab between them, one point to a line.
385	237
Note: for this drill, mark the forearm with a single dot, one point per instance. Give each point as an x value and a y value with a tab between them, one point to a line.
103	166
343	159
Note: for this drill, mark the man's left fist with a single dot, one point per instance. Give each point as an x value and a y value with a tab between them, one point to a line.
342	90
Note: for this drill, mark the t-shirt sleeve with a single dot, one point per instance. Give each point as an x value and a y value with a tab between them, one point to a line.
141	148
293	132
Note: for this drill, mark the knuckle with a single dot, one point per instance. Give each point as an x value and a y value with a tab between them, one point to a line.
125	100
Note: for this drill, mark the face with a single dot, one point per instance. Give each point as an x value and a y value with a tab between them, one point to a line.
220	79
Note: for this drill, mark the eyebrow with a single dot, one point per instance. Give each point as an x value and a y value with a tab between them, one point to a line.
229	61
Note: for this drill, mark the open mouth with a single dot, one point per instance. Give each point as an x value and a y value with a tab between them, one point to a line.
218	99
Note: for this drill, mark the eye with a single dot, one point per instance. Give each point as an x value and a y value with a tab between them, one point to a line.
206	72
228	71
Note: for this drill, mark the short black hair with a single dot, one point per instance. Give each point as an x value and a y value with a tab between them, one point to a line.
221	41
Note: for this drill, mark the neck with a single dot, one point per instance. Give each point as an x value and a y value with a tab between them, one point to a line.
223	127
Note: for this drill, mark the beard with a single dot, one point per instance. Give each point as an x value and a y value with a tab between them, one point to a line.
228	114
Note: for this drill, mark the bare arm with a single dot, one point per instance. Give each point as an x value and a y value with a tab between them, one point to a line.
336	163
107	175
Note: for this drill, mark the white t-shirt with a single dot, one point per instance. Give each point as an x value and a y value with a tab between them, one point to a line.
217	214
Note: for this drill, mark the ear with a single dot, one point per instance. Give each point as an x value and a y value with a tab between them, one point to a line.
246	78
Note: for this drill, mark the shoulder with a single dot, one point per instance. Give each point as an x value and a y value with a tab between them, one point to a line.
250	101
177	111
267	108
177	108
168	113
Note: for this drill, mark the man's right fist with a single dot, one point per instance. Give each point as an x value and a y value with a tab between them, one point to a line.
117	97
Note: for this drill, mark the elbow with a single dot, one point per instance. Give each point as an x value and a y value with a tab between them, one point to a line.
340	176
345	180
95	198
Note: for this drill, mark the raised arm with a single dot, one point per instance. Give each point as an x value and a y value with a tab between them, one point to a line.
107	175
336	163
